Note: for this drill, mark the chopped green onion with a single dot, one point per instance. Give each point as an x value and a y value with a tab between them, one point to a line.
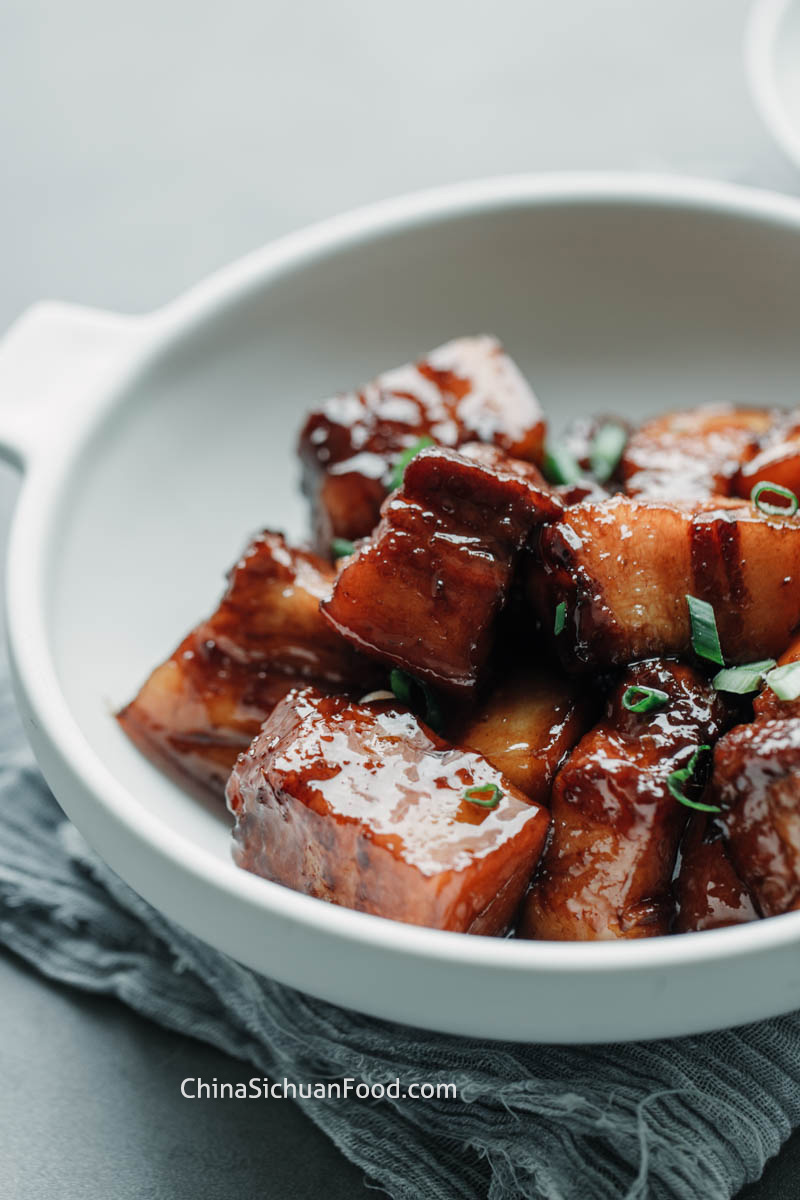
606	450
677	779
648	699
774	510
401	683
560	466
560	619
341	547
744	679
405	458
705	639
785	681
487	795
404	686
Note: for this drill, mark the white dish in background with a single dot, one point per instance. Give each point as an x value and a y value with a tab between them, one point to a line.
772	53
152	446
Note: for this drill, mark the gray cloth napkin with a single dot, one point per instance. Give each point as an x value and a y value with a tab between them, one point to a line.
691	1118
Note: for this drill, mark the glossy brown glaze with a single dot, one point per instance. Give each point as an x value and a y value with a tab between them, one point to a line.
623	570
767	704
777	459
496	459
608	867
206	703
692	455
361	805
527	725
757	783
580	492
709	894
467	390
756	780
423	592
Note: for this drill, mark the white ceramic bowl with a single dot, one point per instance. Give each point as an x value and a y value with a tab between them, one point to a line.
152	446
772	57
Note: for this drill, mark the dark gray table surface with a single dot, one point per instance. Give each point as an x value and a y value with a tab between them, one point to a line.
144	145
90	1106
90	1109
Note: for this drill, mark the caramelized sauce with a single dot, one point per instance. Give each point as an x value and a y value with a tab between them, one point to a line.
467	390
362	805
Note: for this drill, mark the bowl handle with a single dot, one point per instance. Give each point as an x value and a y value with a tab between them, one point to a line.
53	354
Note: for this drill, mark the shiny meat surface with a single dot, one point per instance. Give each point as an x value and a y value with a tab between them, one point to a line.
778	461
757	783
767	704
608	867
623	570
712	451
206	703
693	455
423	592
467	390
496	459
361	805
708	892
526	727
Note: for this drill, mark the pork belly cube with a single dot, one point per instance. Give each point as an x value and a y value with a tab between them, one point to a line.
777	460
204	705
607	870
708	892
362	805
423	592
622	571
695	454
466	390
757	782
768	705
526	726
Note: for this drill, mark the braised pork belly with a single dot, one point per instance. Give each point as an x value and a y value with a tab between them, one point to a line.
206	703
623	570
527	725
362	805
709	894
352	444
546	687
756	783
616	827
423	592
693	455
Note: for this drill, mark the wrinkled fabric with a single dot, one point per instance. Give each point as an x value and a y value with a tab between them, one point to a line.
688	1118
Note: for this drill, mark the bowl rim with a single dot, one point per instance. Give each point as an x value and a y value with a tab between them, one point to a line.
35	525
761	33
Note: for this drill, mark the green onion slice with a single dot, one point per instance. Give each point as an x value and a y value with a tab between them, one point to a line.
408	689
678	779
644	699
341	547
705	639
560	466
487	795
774	510
606	450
744	679
405	458
785	681
560	618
